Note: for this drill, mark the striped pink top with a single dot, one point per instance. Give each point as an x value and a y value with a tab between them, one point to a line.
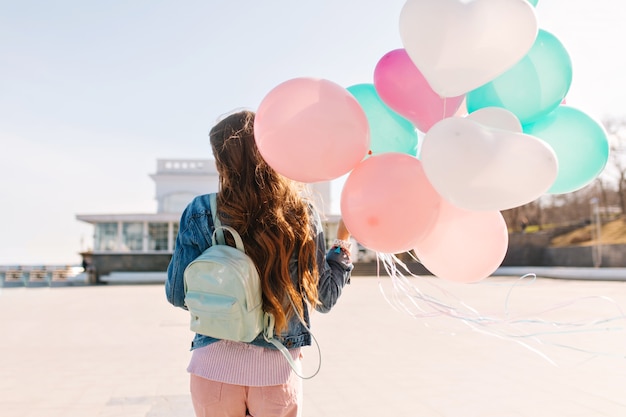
241	363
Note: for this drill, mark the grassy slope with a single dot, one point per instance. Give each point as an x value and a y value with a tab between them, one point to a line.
613	232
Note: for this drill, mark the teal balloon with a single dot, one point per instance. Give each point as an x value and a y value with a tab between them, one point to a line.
580	143
532	88
389	132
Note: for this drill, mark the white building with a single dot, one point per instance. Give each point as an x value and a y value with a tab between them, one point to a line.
143	242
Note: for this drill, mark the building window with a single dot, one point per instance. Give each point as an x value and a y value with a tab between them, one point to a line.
175	226
132	236
157	236
105	238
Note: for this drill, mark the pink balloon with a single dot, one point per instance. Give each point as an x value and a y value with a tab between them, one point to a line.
311	130
464	246
403	88
388	204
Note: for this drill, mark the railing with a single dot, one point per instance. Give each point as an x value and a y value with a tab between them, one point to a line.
31	276
169	166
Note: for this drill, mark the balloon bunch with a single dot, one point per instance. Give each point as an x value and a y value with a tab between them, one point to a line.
443	201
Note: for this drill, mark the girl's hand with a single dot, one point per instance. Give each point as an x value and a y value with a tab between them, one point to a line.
342	231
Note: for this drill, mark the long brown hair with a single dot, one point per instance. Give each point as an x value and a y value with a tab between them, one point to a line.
269	212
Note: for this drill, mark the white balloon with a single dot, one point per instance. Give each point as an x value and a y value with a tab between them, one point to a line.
459	45
496	117
476	167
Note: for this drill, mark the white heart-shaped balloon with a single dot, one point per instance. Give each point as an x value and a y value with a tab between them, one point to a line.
477	167
496	117
459	45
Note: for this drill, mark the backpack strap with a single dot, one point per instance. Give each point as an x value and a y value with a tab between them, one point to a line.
219	231
268	335
216	222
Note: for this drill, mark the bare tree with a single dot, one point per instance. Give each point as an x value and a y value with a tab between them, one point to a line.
615	172
552	210
609	188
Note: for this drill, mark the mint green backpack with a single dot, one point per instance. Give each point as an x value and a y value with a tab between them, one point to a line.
223	289
223	293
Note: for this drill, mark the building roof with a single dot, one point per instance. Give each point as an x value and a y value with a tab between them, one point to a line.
128	217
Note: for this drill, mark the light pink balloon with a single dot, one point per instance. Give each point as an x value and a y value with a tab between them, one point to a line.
464	246
388	204
403	88
311	130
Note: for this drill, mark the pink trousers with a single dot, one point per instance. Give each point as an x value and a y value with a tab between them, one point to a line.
216	399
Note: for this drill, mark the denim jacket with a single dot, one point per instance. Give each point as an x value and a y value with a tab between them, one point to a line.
194	237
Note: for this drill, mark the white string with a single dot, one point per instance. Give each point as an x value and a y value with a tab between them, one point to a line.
530	331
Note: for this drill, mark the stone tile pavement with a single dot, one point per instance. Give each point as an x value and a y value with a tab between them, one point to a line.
121	350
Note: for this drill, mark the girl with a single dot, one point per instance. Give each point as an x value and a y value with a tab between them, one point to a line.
282	233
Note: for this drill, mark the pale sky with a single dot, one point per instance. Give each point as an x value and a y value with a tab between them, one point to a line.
92	93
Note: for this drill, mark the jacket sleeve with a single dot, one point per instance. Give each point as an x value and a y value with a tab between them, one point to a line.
188	247
334	269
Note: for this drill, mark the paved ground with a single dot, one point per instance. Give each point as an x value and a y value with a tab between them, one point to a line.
121	350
